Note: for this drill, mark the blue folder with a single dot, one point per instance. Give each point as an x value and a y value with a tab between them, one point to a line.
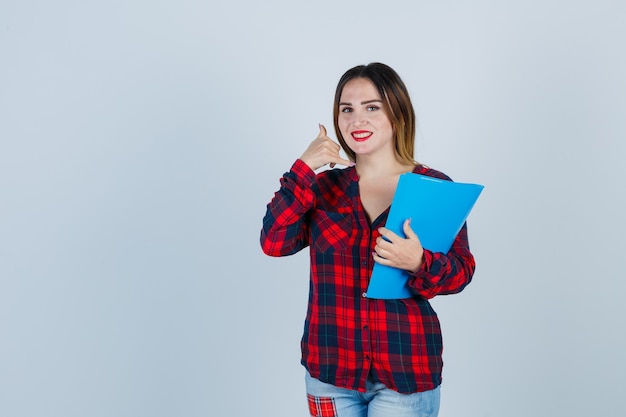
437	209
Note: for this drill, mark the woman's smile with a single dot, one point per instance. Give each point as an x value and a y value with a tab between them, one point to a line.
361	135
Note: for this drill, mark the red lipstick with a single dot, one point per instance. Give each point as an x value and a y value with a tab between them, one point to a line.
361	135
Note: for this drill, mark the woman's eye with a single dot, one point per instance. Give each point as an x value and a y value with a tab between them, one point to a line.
346	110
372	108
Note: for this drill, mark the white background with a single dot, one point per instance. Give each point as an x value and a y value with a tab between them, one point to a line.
141	140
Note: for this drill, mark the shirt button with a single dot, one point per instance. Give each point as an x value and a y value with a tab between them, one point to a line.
364	294
364	263
366	327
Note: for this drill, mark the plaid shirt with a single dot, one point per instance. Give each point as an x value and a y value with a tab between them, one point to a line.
346	334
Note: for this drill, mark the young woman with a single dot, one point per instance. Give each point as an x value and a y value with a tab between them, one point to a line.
364	357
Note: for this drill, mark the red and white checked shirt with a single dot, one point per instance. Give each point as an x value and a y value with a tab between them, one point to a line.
346	334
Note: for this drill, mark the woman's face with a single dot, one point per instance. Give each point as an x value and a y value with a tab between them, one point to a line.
362	120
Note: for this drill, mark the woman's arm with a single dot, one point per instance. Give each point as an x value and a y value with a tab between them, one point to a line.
285	225
445	273
431	273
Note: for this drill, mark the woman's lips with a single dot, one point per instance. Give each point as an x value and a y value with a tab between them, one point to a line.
361	135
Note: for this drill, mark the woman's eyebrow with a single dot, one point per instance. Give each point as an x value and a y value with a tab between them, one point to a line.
362	103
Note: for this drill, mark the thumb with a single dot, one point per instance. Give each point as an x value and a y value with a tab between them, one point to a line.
322	131
408	231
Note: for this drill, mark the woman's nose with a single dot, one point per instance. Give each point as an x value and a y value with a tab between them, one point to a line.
360	118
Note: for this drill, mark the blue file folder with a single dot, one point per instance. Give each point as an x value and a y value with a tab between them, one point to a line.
437	209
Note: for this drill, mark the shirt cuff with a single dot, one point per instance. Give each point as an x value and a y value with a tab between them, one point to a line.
303	171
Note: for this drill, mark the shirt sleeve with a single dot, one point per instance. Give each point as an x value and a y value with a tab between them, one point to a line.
285	226
443	273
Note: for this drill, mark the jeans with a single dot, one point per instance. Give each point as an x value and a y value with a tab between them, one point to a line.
326	400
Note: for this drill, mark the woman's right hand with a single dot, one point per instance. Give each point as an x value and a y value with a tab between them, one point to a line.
323	151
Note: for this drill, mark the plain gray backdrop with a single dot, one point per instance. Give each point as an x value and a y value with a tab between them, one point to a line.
141	140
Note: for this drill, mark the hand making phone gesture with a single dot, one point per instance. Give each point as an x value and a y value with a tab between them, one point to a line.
323	151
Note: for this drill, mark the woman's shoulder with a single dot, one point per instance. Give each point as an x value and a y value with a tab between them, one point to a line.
430	172
334	188
335	175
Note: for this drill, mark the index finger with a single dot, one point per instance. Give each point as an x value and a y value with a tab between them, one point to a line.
388	234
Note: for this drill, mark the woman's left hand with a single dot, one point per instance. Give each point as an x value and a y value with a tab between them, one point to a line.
398	252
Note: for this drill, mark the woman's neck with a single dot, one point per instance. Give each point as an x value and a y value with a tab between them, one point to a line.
368	167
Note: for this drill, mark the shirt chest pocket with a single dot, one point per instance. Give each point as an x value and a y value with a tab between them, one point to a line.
330	231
